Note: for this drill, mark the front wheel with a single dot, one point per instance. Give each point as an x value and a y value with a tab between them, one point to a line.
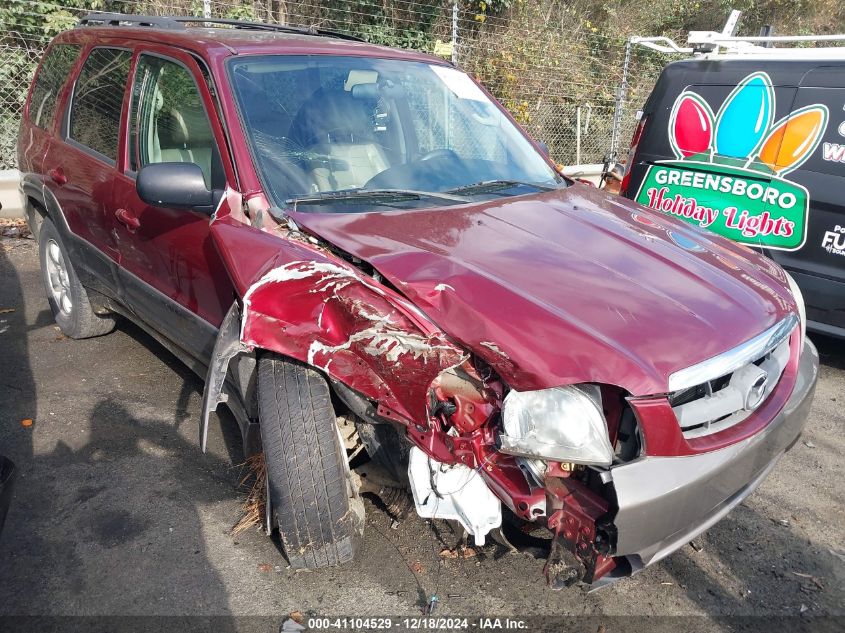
319	514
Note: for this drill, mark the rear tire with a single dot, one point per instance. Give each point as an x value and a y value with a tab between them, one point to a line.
319	515
68	298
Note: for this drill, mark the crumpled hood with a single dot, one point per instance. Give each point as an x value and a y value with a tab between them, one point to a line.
569	286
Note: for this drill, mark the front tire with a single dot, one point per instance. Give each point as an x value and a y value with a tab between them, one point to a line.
319	515
68	298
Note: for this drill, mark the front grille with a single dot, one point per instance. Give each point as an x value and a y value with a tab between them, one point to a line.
754	371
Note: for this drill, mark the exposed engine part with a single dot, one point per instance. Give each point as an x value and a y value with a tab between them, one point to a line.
628	443
387	448
444	491
397	501
562	569
373	478
461	396
575	512
536	468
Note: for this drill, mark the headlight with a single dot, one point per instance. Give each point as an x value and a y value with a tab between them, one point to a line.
563	424
802	311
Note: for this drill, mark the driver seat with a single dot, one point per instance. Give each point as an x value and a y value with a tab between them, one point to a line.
334	124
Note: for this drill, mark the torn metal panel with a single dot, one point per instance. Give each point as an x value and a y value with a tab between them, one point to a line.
226	347
333	317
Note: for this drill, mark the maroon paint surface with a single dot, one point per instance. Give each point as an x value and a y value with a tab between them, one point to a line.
549	289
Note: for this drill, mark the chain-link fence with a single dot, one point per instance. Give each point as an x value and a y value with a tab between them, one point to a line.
556	74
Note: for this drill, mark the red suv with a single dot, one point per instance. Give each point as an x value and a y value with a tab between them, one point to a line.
356	246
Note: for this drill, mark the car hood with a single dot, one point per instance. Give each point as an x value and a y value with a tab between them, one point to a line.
573	285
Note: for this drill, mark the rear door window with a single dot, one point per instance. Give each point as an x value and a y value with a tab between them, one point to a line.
98	99
57	66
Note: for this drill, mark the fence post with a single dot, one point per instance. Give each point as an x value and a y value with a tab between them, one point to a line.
206	8
455	32
578	134
621	95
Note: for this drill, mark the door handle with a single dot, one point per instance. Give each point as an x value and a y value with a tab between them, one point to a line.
125	217
57	176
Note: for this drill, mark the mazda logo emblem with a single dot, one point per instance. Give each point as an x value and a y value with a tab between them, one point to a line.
756	392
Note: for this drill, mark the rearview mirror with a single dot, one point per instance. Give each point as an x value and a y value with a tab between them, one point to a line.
175	185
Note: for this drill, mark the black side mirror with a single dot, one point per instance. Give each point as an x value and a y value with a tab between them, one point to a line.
175	185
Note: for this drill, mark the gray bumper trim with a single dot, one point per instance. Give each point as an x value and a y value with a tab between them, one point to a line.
665	502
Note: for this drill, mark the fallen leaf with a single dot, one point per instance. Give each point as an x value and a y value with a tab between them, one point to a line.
296	616
461	552
265	567
417	567
26	422
6	310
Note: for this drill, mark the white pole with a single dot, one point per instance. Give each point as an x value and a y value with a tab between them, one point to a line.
578	135
455	32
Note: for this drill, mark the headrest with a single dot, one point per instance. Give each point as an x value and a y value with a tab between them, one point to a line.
332	115
190	127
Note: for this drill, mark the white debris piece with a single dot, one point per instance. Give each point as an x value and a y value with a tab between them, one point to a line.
446	491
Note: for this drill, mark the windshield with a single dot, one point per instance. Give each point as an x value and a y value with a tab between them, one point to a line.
349	133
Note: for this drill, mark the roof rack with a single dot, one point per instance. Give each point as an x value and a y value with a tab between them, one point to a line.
710	42
180	22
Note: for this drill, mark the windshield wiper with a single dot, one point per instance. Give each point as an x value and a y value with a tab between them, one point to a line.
494	185
374	194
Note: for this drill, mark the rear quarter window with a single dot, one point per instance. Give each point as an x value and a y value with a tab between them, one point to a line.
54	72
98	99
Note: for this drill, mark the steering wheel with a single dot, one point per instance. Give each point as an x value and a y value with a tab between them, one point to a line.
439	153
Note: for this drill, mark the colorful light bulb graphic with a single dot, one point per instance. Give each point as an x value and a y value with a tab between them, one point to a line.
745	117
691	125
793	139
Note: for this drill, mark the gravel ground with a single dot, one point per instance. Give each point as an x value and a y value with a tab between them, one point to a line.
117	512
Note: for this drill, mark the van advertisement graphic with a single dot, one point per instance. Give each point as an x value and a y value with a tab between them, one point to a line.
730	167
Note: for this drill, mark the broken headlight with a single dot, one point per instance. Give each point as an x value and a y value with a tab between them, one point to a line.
562	424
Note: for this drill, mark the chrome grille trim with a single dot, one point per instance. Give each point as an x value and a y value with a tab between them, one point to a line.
733	359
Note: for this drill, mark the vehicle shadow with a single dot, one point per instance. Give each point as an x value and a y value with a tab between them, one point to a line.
113	515
192	388
17	388
126	534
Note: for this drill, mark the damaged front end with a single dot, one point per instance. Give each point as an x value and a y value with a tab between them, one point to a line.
439	416
472	449
546	455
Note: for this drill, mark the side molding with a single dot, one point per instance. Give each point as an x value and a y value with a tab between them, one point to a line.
226	347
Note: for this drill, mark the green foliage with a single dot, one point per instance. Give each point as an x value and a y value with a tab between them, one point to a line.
241	11
35	21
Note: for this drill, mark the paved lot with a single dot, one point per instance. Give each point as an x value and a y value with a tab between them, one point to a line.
118	512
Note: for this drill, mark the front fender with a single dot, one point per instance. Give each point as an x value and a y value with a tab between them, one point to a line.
303	302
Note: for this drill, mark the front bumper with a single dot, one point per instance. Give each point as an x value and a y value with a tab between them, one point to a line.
664	502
